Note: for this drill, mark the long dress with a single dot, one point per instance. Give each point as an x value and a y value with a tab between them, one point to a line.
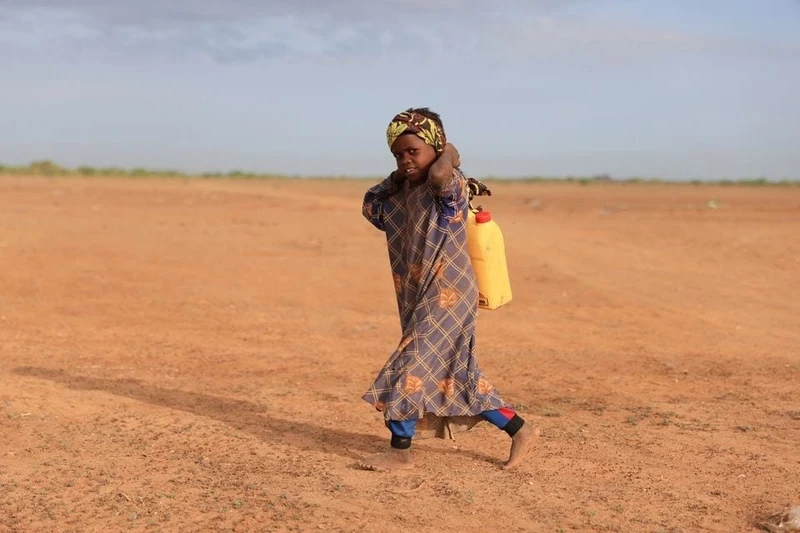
432	376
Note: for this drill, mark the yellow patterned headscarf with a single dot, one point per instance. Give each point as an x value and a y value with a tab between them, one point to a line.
420	125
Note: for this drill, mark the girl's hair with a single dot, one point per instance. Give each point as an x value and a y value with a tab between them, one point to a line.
426	112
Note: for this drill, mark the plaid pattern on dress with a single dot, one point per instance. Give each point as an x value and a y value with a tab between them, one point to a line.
432	375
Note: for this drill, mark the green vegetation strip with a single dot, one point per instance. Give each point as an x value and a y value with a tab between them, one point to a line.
49	168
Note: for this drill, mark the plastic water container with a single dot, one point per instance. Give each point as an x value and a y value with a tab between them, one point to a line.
487	253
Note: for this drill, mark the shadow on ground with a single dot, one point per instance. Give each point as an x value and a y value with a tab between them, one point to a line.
242	415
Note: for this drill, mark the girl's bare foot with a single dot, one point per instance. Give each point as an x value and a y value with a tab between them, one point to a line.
392	460
520	443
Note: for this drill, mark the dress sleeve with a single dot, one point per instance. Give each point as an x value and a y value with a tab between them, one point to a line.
453	198
374	206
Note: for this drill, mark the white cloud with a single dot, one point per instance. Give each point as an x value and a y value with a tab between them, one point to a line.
245	30
251	30
200	11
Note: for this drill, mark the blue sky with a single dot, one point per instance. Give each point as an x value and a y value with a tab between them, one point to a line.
673	89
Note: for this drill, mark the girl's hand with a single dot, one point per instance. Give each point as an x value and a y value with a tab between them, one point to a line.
441	172
455	157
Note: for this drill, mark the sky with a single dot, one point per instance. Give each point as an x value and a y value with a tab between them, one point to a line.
682	89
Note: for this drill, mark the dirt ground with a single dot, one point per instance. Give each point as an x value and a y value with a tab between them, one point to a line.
184	355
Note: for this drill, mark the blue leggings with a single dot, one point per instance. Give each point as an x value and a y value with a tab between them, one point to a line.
504	418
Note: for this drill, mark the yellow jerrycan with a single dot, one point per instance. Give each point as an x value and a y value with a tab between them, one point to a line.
487	253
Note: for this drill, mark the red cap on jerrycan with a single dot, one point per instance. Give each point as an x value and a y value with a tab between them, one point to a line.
483	216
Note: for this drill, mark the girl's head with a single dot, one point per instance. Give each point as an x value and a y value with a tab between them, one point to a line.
416	138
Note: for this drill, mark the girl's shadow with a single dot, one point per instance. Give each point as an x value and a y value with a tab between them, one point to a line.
245	416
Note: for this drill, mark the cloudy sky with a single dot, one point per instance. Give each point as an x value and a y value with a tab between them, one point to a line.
677	89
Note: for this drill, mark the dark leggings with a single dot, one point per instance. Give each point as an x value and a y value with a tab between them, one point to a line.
504	418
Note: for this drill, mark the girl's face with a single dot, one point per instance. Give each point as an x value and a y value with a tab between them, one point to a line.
414	157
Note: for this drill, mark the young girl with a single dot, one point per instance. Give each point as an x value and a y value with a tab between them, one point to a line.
432	381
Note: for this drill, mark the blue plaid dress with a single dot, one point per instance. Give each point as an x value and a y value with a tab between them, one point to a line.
432	376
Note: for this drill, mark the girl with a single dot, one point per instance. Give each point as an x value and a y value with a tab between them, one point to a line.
432	381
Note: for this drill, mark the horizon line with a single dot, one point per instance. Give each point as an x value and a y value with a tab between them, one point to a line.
46	167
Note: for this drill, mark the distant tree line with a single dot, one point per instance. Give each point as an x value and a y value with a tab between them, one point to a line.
49	168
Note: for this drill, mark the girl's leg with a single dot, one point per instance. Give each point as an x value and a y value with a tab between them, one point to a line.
505	419
402	433
398	457
521	434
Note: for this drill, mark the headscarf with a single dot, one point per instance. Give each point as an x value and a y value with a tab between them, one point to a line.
420	125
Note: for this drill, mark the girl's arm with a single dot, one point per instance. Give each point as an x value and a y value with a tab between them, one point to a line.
449	184
441	172
373	207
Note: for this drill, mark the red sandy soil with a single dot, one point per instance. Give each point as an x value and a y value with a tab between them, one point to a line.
181	355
